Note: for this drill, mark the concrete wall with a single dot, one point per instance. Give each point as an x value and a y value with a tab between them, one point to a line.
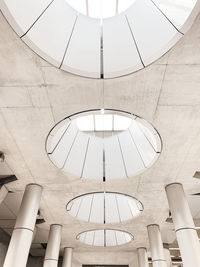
38	262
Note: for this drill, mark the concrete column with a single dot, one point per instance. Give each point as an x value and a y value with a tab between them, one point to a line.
20	243
3	193
67	257
53	246
168	257
184	225
156	246
142	257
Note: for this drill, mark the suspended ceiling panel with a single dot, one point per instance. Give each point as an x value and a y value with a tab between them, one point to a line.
104	207
113	145
105	238
100	49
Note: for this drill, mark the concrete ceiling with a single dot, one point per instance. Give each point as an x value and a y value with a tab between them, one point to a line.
35	95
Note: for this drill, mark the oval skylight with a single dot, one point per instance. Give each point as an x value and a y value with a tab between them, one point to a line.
100	8
104	207
103	145
105	237
100	48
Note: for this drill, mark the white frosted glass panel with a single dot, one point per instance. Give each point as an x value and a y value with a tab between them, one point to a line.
132	158
97	212
111	211
176	10
152	31
99	238
60	153
94	158
89	239
74	206
84	211
125	212
114	168
53	40
75	160
146	150
110	238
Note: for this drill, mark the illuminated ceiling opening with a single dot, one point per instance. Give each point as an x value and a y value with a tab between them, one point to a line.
105	237
100	8
104	207
103	145
105	47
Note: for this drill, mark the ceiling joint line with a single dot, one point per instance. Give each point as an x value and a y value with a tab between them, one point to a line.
87	7
167	18
70	150
122	157
136	148
104	166
94	238
86	151
91	208
65	52
60	139
104	208
134	40
117	204
101	52
104	238
37	19
130	208
116	238
79	206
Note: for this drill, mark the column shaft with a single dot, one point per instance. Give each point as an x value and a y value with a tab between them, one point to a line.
184	225
168	257
20	243
142	257
53	246
156	246
67	257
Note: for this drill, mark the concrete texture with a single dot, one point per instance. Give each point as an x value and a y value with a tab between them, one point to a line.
34	96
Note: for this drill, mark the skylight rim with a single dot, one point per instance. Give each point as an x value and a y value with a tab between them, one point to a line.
107	229
107	192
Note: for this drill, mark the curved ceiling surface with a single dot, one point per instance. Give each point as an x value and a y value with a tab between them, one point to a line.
98	48
103	146
104	207
105	237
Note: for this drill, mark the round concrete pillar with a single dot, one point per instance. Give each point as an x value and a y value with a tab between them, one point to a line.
20	243
168	257
53	246
67	257
142	257
156	246
184	225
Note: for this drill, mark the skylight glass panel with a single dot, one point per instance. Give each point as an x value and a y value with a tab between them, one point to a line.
79	5
86	123
121	123
100	9
105	237
103	122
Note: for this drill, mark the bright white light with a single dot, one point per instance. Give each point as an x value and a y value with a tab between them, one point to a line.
86	123
121	123
100	8
103	122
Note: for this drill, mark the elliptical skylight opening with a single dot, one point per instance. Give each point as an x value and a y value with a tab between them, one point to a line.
100	8
103	122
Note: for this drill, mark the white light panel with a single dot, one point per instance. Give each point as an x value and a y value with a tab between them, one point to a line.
104	207
105	237
103	147
100	8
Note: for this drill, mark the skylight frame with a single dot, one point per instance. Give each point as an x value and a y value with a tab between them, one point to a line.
106	220
104	240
